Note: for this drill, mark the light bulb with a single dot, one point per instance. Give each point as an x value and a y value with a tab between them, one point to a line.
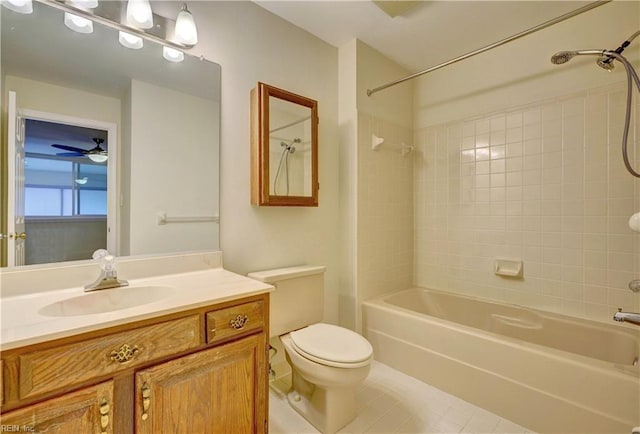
172	55
78	24
186	32
84	4
139	14
130	41
20	6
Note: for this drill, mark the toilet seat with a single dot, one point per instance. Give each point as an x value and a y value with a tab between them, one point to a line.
331	345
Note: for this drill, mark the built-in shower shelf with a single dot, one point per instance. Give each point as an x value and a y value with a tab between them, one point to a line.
508	267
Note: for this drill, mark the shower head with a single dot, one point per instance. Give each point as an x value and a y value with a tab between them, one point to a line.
562	57
289	147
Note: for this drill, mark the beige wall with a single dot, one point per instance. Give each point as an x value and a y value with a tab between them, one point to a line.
520	72
521	158
376	186
173	147
253	45
45	97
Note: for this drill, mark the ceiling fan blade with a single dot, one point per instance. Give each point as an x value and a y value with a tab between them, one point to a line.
70	154
69	148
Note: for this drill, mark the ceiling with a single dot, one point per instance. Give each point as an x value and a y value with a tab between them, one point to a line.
429	33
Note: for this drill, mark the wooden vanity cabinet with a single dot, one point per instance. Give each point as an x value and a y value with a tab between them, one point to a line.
86	410
210	382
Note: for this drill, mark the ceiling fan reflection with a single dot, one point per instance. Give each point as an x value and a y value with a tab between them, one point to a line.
96	154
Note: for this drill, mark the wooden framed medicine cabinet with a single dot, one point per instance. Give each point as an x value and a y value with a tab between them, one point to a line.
284	148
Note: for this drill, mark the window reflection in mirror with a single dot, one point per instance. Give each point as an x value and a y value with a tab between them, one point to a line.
284	148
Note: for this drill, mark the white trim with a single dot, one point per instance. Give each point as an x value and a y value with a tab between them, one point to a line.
74	219
113	227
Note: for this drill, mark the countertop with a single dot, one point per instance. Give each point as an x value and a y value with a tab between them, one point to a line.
24	320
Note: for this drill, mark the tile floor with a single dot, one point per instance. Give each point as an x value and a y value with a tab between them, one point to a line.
392	402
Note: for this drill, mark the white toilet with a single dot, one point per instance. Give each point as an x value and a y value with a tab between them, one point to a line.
327	362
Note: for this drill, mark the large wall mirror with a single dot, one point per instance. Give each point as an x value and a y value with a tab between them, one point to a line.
284	148
112	147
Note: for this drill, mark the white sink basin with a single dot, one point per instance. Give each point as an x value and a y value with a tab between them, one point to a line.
107	300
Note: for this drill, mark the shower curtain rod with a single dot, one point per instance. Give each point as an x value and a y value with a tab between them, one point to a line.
494	45
299	121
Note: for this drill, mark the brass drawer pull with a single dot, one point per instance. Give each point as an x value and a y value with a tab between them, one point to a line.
146	401
124	354
105	408
239	322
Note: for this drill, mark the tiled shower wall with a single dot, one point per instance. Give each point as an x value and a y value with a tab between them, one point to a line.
544	183
385	209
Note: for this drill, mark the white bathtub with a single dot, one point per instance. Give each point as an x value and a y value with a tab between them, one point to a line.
548	372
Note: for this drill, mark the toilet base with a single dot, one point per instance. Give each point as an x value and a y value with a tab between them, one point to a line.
323	395
327	409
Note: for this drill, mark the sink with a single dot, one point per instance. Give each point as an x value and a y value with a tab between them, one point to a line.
108	300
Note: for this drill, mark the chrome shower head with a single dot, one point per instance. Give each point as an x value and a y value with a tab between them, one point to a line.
562	57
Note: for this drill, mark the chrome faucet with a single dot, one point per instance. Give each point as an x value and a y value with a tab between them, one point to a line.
633	318
108	277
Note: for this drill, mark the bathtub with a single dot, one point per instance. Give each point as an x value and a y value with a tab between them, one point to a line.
547	372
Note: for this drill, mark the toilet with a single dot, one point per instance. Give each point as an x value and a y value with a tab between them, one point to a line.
327	362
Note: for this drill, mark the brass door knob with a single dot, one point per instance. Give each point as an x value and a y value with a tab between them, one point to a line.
20	236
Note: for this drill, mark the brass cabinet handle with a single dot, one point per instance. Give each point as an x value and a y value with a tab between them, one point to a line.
124	354
105	408
239	322
146	401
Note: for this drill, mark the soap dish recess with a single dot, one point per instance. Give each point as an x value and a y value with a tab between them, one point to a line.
508	267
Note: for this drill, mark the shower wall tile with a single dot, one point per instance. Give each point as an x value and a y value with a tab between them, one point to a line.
544	183
385	233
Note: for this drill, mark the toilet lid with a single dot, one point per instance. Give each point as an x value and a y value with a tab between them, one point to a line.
329	344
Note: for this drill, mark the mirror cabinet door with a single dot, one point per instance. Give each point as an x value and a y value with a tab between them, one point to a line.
284	148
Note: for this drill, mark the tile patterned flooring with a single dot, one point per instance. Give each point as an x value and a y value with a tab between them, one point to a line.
392	402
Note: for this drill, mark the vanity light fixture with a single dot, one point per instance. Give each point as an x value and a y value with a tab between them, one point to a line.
78	24
139	14
136	22
186	32
172	55
20	6
130	41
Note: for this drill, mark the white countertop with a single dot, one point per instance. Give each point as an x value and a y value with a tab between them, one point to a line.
24	321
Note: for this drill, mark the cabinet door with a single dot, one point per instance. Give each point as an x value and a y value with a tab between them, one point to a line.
83	411
214	391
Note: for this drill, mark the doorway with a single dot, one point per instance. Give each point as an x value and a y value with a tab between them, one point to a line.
68	188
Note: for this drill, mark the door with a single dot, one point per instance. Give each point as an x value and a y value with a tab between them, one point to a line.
222	389
15	181
87	410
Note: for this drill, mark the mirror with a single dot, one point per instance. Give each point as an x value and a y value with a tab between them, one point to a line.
284	148
157	123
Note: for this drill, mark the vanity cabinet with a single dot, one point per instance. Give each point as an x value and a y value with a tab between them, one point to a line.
202	371
218	386
86	410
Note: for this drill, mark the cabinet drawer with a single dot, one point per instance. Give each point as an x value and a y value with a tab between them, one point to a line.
47	370
235	320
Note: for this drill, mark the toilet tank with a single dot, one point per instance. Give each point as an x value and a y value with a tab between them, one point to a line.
298	300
